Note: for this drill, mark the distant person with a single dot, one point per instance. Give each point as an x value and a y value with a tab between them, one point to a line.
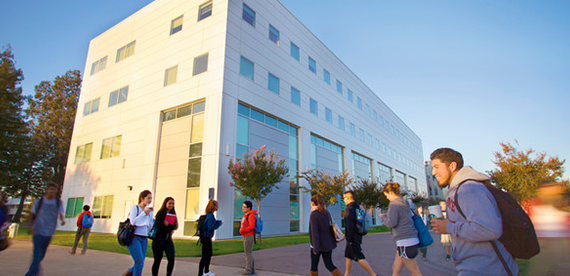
167	223
4	243
425	219
84	224
141	217
210	225
44	214
321	237
247	230
445	238
399	218
353	250
472	235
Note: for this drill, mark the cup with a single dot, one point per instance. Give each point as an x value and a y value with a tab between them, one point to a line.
435	212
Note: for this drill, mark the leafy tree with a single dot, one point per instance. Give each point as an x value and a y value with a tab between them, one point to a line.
257	174
369	194
330	187
521	172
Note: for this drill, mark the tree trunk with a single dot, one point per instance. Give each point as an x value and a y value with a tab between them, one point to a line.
18	215
258	203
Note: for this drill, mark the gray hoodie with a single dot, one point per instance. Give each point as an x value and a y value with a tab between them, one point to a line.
399	218
472	252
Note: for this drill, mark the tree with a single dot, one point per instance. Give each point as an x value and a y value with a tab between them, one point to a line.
330	187
369	194
257	173
521	172
52	110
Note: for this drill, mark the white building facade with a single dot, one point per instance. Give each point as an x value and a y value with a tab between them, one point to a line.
174	91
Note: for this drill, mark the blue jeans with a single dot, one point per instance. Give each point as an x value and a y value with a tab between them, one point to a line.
138	248
40	247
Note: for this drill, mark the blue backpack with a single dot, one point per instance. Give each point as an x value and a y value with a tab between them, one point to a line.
258	224
87	221
363	221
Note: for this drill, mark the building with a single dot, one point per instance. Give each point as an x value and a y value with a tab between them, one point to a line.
434	191
174	91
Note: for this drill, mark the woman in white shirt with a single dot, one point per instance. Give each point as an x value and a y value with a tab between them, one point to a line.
141	217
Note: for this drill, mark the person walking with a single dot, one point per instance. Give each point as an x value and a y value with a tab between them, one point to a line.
4	223
353	250
445	238
321	237
425	219
474	235
167	223
399	218
44	212
210	225
247	230
84	224
141	217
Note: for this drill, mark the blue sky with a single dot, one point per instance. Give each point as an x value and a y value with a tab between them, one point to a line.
460	74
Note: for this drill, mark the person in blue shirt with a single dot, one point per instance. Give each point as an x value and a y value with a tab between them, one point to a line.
210	225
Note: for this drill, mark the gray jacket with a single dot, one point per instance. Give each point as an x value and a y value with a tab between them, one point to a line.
400	220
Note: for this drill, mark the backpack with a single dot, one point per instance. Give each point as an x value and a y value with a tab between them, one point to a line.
258	224
200	228
519	237
363	221
87	221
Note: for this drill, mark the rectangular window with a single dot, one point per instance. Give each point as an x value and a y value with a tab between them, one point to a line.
312	65
375	115
327	76
339	86
102	207
98	65
359	102
314	107
118	96
369	139
328	115
367	109
295	51
273	83
349	92
248	15
273	34
126	51
111	147
341	122
295	96
200	64
91	107
83	153
205	10
176	24
361	134
170	75
246	67
74	207
352	129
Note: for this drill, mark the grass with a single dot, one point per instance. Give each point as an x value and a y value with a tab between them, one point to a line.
184	248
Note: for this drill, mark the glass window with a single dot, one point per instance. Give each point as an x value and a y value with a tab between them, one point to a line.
170	75
243	110
195	150
111	147
170	115
350	99
125	51
83	153
176	24
361	134
98	65
197	128
273	83
248	15
199	107
194	167
91	107
184	111
295	51
327	76
375	115
118	96
341	122
74	207
352	129
273	34
205	10
192	206
102	207
359	102
367	108
312	65
242	130
295	96
271	121
258	116
314	107
328	115
246	67
339	86
200	64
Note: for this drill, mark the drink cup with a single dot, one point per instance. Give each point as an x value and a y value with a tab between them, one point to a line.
435	212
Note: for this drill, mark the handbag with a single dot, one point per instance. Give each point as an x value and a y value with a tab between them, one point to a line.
152	231
337	232
423	233
126	231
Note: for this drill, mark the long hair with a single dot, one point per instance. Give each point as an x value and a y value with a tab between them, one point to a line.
393	187
143	194
2	199
163	207
211	207
319	202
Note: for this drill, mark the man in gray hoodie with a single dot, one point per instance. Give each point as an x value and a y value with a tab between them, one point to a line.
471	235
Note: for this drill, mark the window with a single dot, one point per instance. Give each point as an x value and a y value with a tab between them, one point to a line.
74	207
126	51
349	96
352	129
314	107
183	111
359	102
246	67
273	34
340	122
111	147
369	139
91	107
361	134
176	24
295	96
102	207
118	96
200	64
273	83
98	65
295	51
327	76
328	115
312	65
205	10
83	153
375	115
339	86
248	15
367	109
170	75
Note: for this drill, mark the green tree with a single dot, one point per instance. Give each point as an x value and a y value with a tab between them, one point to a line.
330	187
521	172
369	194
257	174
52	110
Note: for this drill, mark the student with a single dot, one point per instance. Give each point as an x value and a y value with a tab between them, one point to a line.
425	219
141	217
445	238
162	242
399	218
321	237
210	225
84	224
247	230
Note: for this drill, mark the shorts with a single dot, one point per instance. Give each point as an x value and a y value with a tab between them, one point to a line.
354	252
408	252
445	239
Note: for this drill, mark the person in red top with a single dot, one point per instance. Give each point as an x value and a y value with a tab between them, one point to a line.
83	229
247	230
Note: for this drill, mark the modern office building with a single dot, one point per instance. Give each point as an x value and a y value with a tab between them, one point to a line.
174	91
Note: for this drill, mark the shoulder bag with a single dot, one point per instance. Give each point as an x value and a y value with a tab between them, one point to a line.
337	232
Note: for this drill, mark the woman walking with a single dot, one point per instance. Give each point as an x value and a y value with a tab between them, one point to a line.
166	222
399	218
210	225
141	217
321	236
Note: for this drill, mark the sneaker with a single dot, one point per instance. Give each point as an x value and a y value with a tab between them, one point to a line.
71	252
447	258
209	274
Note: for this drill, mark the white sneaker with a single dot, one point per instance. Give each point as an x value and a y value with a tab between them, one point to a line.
209	274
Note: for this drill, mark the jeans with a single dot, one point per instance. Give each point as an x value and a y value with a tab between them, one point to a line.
248	249
138	248
327	258
206	256
83	231
41	244
158	247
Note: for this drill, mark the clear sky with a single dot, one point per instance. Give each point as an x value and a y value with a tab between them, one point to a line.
461	74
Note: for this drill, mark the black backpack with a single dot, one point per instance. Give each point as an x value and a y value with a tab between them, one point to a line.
200	228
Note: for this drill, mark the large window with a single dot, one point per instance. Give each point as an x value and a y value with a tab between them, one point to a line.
295	51
170	75
339	86
176	24
200	64
126	51
98	65
314	107
91	107
295	96
273	34
111	147
246	67
312	65
118	96
74	207
248	15
205	10
83	153
273	83
102	207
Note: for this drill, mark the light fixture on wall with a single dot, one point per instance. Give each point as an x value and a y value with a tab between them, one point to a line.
227	149
130	188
